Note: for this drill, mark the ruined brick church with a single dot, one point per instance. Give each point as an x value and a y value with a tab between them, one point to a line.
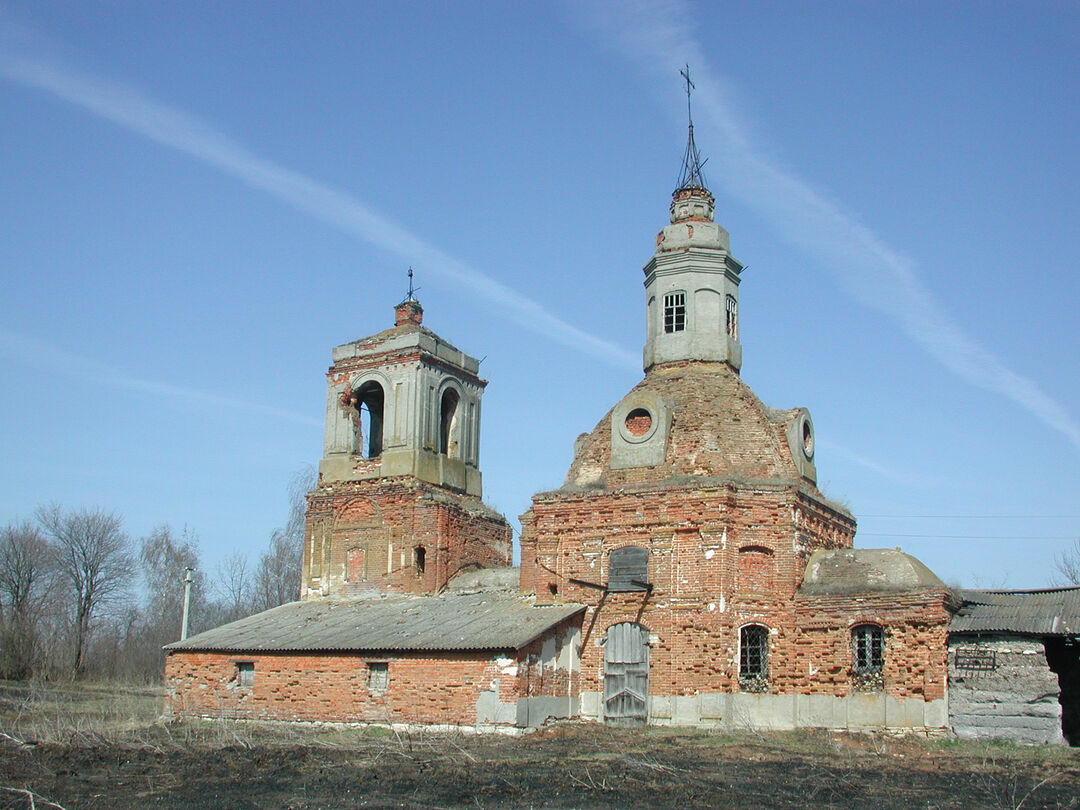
688	572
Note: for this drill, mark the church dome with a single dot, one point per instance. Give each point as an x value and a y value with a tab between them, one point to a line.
693	421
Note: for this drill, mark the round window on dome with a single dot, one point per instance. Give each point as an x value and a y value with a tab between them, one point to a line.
638	422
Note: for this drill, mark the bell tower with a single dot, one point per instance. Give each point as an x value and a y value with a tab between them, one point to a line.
403	402
398	503
692	280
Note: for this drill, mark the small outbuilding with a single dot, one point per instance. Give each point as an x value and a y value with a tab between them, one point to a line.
478	655
1014	665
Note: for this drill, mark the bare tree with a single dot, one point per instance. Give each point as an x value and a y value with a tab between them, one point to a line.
25	579
164	560
277	578
91	552
1067	563
232	587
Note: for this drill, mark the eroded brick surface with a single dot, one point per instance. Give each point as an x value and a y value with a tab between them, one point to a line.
380	524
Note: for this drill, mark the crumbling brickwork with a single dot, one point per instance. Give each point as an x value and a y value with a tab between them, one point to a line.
382	525
442	688
721	557
729	521
434	688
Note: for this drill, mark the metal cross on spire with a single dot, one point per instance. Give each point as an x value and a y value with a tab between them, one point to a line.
685	73
691	175
410	296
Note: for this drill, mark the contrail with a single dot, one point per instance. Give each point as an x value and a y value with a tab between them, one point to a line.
129	108
659	38
38	353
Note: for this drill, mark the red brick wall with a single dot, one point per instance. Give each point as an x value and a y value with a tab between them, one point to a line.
390	518
435	688
721	557
915	655
428	688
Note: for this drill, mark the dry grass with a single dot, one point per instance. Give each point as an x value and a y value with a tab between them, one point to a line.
103	745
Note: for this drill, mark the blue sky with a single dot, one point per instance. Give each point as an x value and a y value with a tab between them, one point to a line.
201	199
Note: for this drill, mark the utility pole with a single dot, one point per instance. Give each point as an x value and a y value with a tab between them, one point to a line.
188	579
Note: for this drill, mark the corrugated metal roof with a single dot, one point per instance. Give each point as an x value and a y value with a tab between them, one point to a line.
1048	612
475	621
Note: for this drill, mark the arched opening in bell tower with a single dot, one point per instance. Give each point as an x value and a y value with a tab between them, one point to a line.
448	433
369	405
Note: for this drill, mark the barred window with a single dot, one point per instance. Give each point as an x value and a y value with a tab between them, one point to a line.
754	652
675	312
867	648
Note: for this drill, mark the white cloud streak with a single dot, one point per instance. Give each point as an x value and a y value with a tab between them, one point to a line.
131	109
25	349
659	38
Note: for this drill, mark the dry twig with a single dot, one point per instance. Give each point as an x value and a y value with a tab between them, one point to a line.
32	798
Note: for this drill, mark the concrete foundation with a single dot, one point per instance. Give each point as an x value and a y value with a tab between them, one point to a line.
858	712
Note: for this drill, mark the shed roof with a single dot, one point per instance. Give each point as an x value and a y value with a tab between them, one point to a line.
1046	612
454	621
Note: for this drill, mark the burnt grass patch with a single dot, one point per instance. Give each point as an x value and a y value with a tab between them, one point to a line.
106	748
186	766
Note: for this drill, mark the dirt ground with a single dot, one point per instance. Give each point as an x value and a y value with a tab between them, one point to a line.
105	748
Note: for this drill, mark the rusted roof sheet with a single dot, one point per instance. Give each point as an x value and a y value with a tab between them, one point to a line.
475	621
1047	612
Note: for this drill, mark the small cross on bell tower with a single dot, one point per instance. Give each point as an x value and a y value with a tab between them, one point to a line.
409	310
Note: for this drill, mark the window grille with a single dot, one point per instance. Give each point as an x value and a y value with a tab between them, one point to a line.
973	659
868	648
378	676
675	312
754	652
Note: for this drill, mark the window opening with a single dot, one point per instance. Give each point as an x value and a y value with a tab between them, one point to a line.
420	554
448	443
628	569
368	400
754	657
868	649
245	673
675	312
378	676
732	317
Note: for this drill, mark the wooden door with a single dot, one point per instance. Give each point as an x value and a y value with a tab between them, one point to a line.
626	675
